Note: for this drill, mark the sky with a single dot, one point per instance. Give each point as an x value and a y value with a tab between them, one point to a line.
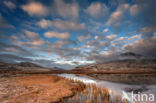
71	33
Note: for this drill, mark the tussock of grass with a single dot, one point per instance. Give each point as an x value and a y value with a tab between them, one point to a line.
94	94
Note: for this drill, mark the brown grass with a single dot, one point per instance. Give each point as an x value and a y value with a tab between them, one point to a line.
50	89
94	94
37	89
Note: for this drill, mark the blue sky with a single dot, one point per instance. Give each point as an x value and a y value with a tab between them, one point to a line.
70	33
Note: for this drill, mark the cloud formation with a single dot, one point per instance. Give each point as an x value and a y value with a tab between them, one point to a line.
144	47
71	33
118	15
36	40
145	17
62	25
82	38
66	10
134	9
9	58
13	49
51	34
4	24
98	10
30	39
111	36
9	4
35	9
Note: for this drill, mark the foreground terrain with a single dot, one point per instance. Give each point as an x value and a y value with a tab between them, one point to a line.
36	88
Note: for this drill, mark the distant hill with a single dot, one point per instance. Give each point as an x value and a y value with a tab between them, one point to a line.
27	64
125	61
130	56
23	66
120	65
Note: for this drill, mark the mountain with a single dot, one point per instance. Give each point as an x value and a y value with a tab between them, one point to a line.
130	56
125	61
27	64
23	66
120	65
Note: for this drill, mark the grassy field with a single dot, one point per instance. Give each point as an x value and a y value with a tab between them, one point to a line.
51	89
37	88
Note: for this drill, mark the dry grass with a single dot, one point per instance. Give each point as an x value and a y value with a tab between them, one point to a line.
50	89
94	94
37	89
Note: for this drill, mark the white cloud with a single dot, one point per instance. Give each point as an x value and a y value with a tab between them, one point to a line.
96	37
96	44
35	9
82	38
38	42
118	15
44	23
114	17
59	44
134	37
87	46
66	10
30	39
145	47
94	9
31	35
105	30
34	37
97	10
62	25
111	36
9	4
147	31
104	56
121	38
134	9
51	34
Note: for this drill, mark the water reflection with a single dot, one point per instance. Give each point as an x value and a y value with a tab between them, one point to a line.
114	89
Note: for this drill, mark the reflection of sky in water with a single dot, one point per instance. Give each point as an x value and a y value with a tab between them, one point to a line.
74	77
115	88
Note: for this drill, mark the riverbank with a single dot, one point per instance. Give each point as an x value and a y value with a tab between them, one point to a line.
36	88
